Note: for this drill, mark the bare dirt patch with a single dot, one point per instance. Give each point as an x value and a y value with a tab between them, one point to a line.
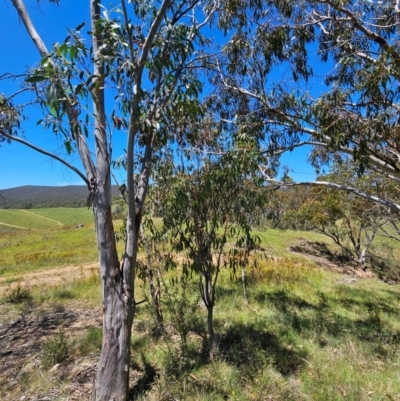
328	260
20	353
23	334
21	356
49	277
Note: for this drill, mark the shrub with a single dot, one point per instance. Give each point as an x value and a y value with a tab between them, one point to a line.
55	351
90	342
18	295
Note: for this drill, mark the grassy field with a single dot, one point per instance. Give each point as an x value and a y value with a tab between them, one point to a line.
46	218
67	216
25	220
51	239
307	333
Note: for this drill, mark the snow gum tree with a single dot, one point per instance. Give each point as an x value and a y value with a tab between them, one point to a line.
134	68
349	50
130	68
352	222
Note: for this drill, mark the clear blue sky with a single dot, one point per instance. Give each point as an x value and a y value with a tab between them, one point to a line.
20	165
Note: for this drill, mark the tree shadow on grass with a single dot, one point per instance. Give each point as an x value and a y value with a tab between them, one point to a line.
354	296
23	338
248	348
323	320
145	381
283	300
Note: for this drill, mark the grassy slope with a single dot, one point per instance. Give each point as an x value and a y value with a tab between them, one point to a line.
50	245
307	334
23	219
67	216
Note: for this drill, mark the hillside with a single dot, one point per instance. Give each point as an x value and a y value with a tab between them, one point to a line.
30	196
311	329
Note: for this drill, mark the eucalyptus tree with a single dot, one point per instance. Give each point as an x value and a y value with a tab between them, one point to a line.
135	71
210	204
318	73
352	222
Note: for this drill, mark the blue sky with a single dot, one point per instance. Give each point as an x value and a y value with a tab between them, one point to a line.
20	165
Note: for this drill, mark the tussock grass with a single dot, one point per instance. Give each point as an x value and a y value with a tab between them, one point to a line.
55	350
87	343
30	251
306	334
18	295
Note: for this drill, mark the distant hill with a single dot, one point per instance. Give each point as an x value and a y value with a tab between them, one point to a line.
31	196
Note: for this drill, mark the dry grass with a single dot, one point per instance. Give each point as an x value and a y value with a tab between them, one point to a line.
310	332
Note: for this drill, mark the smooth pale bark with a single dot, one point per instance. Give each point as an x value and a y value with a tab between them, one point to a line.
112	378
118	304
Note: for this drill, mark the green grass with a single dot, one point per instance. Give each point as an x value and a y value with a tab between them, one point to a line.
278	242
49	244
67	216
28	251
45	218
305	335
23	219
81	289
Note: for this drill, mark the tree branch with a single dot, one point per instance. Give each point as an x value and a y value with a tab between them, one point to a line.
20	6
149	40
280	184
45	152
80	140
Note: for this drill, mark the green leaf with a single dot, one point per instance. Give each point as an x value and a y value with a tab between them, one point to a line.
80	26
68	146
78	89
36	78
73	51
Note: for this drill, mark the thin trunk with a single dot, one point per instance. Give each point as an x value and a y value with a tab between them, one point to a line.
211	332
244	287
361	259
112	379
155	297
154	290
208	299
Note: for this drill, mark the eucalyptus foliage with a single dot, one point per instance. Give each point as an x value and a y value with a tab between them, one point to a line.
209	207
